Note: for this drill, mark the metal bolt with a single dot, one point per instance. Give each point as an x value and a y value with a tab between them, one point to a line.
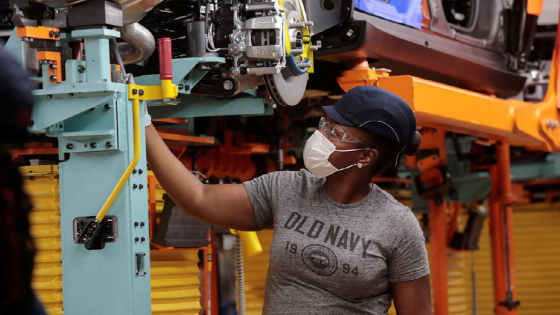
69	146
52	34
70	94
53	78
31	123
187	87
85	145
134	171
134	91
141	186
143	239
142	223
143	254
136	223
103	80
141	92
49	96
180	86
228	85
81	68
144	273
136	239
94	225
140	171
93	145
107	106
109	237
52	66
134	186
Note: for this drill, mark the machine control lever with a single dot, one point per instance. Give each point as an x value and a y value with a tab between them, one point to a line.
165	64
94	234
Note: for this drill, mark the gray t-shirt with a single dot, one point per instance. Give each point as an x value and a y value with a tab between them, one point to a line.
331	258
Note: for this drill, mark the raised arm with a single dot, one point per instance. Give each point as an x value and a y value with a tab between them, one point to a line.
223	205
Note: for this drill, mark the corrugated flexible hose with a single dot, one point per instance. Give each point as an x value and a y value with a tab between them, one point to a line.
239	270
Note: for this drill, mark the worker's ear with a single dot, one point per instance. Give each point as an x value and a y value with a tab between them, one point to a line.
368	156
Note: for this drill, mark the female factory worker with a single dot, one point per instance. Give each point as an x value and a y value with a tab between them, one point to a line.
341	245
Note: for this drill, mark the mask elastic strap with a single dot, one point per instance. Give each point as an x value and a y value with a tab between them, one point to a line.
347	167
351	150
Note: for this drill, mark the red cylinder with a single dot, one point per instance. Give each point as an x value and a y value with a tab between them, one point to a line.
165	64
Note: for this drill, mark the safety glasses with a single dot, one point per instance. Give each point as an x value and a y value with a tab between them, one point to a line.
336	132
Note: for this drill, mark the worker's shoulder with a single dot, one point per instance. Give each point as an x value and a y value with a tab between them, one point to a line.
302	176
386	200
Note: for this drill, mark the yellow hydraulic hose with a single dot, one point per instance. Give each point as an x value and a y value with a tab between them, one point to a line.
131	166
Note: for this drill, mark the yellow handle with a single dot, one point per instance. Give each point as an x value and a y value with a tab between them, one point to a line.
251	243
168	89
131	166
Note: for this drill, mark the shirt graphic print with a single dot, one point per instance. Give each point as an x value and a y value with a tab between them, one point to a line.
331	258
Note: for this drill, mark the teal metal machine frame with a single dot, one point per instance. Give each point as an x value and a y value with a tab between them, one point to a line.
92	119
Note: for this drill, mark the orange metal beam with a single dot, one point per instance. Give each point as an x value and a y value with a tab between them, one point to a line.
453	221
55	72
39	32
457	110
33	151
173	121
534	7
436	105
152	182
438	248
501	232
181	137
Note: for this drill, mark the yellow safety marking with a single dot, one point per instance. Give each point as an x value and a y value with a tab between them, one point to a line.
153	92
286	32
131	166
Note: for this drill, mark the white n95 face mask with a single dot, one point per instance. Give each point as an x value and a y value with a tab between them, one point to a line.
316	155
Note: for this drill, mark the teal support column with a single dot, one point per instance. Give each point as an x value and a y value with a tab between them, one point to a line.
16	46
106	281
93	122
97	56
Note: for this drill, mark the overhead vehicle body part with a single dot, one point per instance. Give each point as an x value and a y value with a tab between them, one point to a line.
482	46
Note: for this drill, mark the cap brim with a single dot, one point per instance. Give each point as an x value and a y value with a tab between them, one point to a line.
331	111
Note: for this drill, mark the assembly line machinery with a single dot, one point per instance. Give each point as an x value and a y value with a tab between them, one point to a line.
86	99
93	65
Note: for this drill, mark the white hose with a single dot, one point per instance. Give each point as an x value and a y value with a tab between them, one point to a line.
239	272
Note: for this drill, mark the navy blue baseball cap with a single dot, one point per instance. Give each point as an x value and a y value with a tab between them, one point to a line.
376	110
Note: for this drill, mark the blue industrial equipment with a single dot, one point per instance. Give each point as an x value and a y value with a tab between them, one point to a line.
408	12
